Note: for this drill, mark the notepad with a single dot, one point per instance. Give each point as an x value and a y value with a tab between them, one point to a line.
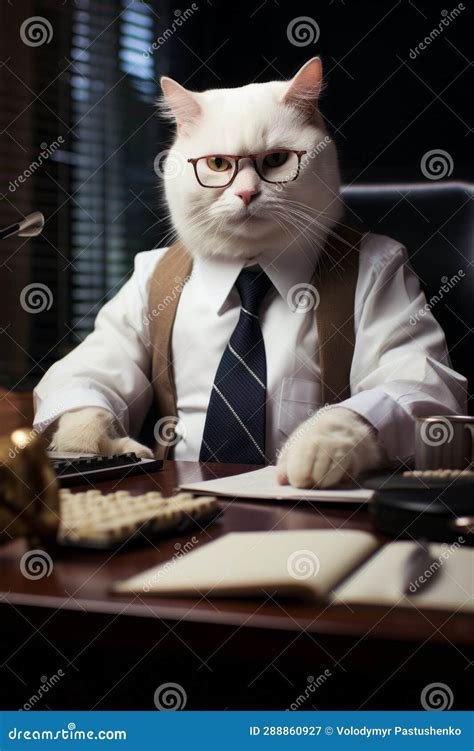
331	566
447	584
262	484
307	563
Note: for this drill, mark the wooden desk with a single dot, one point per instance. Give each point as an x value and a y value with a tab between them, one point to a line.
227	653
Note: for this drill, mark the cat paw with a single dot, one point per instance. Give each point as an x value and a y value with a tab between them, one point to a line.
91	430
128	445
82	430
332	446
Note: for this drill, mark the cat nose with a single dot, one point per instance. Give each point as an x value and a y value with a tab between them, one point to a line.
247	195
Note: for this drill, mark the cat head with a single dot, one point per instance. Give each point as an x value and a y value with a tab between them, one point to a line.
251	217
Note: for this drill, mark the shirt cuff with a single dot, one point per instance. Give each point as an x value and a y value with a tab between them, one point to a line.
50	409
395	427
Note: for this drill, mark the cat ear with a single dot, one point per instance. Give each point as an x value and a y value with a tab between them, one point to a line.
179	103
304	88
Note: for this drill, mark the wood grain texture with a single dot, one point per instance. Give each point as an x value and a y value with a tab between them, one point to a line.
84	579
16	410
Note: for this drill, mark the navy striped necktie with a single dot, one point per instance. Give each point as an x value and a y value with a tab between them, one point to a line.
235	422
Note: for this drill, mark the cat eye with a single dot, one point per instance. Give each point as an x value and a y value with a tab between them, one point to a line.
275	159
218	163
274	166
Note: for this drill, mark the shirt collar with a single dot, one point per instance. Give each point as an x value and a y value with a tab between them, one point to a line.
290	267
285	269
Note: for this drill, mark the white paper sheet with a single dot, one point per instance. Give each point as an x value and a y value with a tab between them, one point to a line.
262	483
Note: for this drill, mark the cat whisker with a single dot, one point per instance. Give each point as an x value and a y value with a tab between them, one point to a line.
307	233
304	230
318	212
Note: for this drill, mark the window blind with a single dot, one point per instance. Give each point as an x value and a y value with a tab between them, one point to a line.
113	87
81	108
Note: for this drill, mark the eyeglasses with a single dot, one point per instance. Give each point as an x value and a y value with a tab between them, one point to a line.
220	170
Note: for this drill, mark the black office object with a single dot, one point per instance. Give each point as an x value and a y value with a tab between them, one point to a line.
78	469
419	561
425	505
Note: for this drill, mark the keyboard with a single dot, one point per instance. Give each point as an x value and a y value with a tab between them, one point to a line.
80	469
105	521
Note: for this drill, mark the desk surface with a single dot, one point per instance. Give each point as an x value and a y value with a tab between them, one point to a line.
82	581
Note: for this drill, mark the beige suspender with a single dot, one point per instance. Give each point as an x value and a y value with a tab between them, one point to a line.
167	282
335	280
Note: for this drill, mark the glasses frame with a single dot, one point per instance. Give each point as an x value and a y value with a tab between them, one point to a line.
253	157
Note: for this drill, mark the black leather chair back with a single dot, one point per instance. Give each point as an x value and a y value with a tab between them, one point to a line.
435	223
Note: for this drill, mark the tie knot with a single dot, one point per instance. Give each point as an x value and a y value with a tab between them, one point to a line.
252	286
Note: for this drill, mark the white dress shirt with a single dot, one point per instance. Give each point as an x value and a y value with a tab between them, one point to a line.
399	370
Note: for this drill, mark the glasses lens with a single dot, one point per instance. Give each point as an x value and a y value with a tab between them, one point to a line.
278	166
215	171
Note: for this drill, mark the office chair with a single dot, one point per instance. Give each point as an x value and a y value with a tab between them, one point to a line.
435	223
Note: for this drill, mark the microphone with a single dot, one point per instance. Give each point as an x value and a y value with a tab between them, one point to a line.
31	226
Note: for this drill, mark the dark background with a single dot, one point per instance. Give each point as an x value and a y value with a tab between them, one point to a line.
91	85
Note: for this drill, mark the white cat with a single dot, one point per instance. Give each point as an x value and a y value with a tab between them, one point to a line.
93	431
254	116
221	223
